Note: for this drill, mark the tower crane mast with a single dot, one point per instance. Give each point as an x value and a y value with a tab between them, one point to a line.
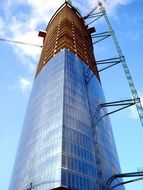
122	59
94	9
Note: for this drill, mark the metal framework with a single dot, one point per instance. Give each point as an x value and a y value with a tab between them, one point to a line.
109	62
123	175
113	61
100	36
34	186
120	104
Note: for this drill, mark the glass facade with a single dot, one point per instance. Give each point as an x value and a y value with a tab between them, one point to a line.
61	145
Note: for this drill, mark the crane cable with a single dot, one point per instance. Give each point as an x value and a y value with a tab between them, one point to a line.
21	43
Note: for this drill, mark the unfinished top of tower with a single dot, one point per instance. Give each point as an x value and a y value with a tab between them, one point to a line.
67	29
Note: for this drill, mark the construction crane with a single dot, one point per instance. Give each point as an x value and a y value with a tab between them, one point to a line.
94	9
20	43
121	56
118	49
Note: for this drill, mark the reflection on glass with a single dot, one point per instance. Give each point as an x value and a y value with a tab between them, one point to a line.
60	144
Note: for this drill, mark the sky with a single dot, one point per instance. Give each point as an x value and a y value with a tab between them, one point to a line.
21	20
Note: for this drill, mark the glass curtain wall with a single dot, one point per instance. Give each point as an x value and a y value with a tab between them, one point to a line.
39	155
89	151
61	144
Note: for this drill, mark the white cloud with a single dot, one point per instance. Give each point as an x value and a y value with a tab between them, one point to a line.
23	19
113	5
1	26
31	38
25	85
43	7
25	60
110	5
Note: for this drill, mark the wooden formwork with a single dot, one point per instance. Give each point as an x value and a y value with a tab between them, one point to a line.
67	29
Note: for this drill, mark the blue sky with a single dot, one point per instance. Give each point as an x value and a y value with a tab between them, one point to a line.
21	20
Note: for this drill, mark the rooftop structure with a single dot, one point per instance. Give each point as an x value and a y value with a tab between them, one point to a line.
67	29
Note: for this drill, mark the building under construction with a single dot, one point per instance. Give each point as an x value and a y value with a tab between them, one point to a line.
64	143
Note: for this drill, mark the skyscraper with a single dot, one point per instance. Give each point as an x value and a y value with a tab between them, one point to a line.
62	146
